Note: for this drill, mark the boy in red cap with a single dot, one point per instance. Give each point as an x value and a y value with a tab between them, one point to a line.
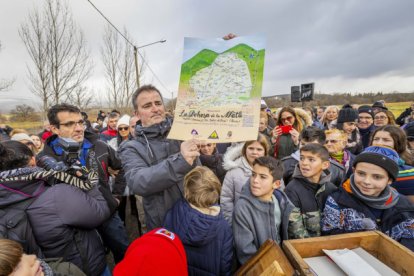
159	252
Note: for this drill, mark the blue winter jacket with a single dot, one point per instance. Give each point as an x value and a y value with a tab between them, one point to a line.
207	239
345	213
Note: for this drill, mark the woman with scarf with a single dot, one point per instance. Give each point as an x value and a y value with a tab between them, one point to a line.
367	202
335	143
64	212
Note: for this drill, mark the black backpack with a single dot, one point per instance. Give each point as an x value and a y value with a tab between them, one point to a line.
15	225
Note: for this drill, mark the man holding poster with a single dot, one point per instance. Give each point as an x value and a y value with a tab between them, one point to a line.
154	165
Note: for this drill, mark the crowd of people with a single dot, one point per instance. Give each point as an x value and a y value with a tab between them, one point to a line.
203	208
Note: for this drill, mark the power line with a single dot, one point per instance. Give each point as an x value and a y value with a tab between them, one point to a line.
135	47
107	20
149	67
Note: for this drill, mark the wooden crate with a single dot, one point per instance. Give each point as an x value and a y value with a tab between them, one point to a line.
388	251
269	260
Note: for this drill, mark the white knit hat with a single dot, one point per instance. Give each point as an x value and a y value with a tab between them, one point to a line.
21	136
124	120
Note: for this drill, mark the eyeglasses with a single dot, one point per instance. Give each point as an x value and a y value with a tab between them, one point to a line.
288	118
123	128
72	124
380	117
331	141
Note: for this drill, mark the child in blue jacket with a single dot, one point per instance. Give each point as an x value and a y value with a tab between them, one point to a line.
207	237
367	201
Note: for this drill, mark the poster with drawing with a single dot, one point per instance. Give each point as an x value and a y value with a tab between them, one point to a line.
220	90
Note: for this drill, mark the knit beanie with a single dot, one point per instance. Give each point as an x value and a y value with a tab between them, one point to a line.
366	109
159	252
124	120
21	136
347	114
383	157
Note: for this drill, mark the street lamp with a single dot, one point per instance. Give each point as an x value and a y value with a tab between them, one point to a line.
136	57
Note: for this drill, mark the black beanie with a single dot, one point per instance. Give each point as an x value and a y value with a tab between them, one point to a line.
385	158
347	114
366	109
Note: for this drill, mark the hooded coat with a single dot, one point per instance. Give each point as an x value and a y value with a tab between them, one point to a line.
60	215
238	173
207	239
309	200
154	169
254	222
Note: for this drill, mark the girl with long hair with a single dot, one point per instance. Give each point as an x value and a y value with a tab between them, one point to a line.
238	161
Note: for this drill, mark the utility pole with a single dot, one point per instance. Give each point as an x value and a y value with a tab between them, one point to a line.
136	57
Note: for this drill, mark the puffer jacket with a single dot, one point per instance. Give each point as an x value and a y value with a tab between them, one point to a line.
238	173
154	169
309	200
345	213
207	239
60	216
254	222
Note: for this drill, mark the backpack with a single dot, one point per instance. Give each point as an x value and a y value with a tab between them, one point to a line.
15	225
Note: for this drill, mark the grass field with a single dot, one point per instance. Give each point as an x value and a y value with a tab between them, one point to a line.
398	108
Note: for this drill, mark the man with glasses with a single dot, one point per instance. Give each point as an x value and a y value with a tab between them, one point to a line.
365	123
66	122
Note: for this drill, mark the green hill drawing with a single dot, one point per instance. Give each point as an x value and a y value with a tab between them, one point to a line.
204	58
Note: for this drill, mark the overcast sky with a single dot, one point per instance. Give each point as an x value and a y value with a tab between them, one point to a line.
342	46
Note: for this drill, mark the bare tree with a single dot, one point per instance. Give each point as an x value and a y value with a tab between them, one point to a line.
5	84
82	98
57	48
118	59
23	113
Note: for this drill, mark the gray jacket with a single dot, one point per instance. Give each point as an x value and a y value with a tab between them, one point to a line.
254	222
238	173
154	169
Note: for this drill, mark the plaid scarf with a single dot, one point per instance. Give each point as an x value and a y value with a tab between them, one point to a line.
28	174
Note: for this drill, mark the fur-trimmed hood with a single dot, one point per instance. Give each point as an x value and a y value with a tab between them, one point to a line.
306	119
233	158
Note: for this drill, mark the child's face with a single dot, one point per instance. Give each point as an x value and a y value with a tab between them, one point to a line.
348	127
262	124
311	165
371	179
262	184
383	138
254	151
